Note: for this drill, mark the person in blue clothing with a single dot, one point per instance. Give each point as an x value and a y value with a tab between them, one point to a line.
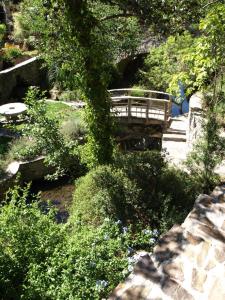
183	106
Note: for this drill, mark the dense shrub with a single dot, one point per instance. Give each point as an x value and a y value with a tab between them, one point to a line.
40	259
26	237
139	186
23	149
73	128
104	192
11	53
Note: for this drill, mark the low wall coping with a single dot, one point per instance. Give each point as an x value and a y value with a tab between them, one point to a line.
17	66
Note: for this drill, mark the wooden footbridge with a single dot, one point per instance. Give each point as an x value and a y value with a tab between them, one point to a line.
146	107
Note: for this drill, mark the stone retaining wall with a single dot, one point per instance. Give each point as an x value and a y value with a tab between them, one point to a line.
29	170
20	76
188	262
195	115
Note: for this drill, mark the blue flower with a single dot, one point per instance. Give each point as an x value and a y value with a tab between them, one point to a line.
130	268
106	237
147	231
155	232
92	264
118	222
101	284
152	240
130	250
125	229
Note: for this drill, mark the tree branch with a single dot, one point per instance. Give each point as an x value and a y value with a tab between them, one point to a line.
122	15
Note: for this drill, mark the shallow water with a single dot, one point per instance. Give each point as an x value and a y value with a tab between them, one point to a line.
59	193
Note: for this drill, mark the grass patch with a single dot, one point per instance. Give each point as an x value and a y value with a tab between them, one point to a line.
62	112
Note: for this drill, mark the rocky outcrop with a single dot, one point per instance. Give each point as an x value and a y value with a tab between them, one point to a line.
188	261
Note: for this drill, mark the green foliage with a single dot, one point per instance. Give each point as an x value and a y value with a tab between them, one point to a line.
137	91
40	259
104	192
23	149
209	151
60	153
73	129
62	112
27	237
2	32
193	60
71	95
166	61
136	187
11	53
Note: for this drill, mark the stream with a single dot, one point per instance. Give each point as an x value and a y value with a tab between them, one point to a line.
59	193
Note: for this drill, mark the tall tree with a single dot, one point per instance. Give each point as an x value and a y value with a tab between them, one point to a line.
80	39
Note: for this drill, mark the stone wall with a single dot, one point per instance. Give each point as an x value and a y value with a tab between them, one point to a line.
21	76
195	115
188	262
28	170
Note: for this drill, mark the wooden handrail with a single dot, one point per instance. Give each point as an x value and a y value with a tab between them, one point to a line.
142	107
139	98
139	90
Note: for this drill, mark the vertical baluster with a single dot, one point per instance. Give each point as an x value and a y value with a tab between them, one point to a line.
147	109
165	112
129	109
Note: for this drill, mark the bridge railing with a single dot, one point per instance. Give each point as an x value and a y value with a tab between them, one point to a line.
141	104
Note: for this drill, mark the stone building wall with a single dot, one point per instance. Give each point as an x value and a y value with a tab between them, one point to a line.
21	76
188	263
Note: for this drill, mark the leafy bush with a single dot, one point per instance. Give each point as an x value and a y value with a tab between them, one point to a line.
26	237
40	259
11	53
104	192
71	95
23	149
167	60
139	186
137	91
73	128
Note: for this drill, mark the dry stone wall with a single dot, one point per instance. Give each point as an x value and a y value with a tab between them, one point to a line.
188	262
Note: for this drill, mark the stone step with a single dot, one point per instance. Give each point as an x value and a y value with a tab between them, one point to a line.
174	137
175	131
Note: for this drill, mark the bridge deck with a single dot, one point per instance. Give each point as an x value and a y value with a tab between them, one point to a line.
147	109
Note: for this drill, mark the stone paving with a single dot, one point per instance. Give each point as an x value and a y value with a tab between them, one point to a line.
174	140
188	263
